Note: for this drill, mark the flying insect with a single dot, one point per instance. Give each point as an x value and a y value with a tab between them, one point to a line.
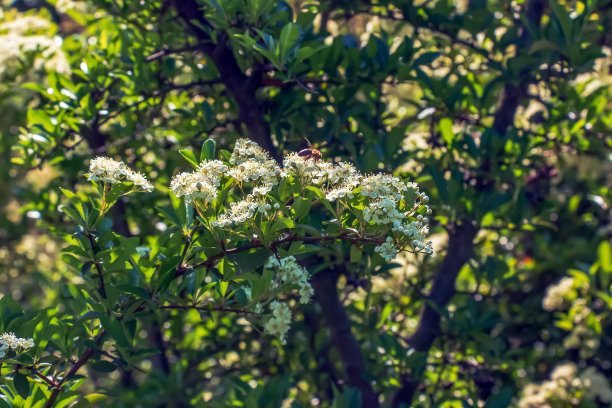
310	152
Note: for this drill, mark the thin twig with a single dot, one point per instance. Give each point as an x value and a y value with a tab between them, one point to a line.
258	244
98	267
168	51
208	309
46	379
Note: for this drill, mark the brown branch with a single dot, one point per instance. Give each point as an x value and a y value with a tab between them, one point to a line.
243	87
181	270
208	309
87	354
443	289
326	294
460	239
51	383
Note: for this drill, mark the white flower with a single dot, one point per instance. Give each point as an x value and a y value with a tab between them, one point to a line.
565	372
10	341
107	170
557	296
596	385
28	34
290	272
267	173
383	211
139	181
239	212
261	191
278	325
384	185
342	180
306	292
387	250
200	184
341	173
246	150
306	169
567	388
110	171
193	186
253	165
212	171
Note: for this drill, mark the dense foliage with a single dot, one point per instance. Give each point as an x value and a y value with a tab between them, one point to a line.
181	273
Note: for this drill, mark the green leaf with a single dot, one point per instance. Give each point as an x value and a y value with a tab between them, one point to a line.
305	53
283	223
425	58
96	397
116	330
288	37
385	314
169	214
544	45
208	150
190	157
446	129
500	400
22	385
605	256
321	198
4	402
116	191
73	214
133	290
269	55
410	196
300	207
564	19
103	366
223	287
69	194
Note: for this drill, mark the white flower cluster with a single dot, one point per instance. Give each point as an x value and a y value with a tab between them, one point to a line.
386	191
64	6
9	340
558	296
253	164
382	193
337	181
418	231
566	388
239	211
21	35
387	250
290	272
583	336
247	150
278	325
110	171
563	296
384	186
306	169
200	184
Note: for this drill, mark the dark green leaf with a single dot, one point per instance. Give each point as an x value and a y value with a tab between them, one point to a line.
22	385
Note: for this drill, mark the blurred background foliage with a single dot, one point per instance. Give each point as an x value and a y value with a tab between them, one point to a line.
498	109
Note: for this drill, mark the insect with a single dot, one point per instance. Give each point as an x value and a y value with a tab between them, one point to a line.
310	152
